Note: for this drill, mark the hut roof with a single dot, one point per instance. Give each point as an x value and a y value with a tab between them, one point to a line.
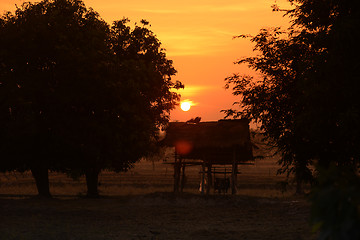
210	140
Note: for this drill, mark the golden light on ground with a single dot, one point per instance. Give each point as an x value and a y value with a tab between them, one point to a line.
185	106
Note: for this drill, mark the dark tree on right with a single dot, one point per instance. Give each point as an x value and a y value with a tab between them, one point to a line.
306	100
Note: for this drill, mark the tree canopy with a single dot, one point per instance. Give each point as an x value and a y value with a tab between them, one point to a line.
305	98
78	94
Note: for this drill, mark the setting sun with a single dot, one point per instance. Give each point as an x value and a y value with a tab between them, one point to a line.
185	106
198	38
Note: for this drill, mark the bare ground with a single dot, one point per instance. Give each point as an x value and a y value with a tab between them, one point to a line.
155	216
139	205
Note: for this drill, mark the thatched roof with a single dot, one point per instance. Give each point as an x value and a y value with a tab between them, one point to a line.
211	141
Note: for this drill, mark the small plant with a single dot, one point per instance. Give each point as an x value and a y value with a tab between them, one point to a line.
336	204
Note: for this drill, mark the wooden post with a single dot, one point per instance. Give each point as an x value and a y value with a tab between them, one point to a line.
202	187
177	169
234	173
209	179
183	177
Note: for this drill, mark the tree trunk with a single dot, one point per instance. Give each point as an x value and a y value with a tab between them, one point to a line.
41	176
299	185
92	176
300	175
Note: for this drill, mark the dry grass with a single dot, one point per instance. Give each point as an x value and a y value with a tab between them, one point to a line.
139	205
147	177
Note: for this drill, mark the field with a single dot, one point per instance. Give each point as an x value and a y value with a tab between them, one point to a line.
140	204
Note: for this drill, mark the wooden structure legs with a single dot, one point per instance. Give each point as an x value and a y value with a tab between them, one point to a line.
208	178
177	169
179	174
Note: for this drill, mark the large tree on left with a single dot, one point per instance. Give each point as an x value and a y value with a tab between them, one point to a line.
76	94
49	52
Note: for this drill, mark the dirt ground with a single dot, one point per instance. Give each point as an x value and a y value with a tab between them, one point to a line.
155	216
140	204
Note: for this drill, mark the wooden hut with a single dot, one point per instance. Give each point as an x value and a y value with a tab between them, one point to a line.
212	145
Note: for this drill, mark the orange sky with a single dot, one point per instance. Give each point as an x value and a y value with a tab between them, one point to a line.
197	36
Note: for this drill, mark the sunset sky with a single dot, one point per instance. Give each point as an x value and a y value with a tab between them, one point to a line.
198	37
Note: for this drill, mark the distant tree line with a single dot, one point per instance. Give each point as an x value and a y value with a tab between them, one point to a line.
78	95
306	100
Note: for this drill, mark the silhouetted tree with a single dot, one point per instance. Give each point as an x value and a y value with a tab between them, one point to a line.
77	95
330	84
143	101
331	113
47	61
306	99
272	99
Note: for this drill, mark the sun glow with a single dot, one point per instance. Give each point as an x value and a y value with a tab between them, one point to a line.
198	38
185	106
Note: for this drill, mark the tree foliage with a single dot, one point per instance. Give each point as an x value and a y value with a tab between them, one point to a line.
272	98
305	99
78	94
305	94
